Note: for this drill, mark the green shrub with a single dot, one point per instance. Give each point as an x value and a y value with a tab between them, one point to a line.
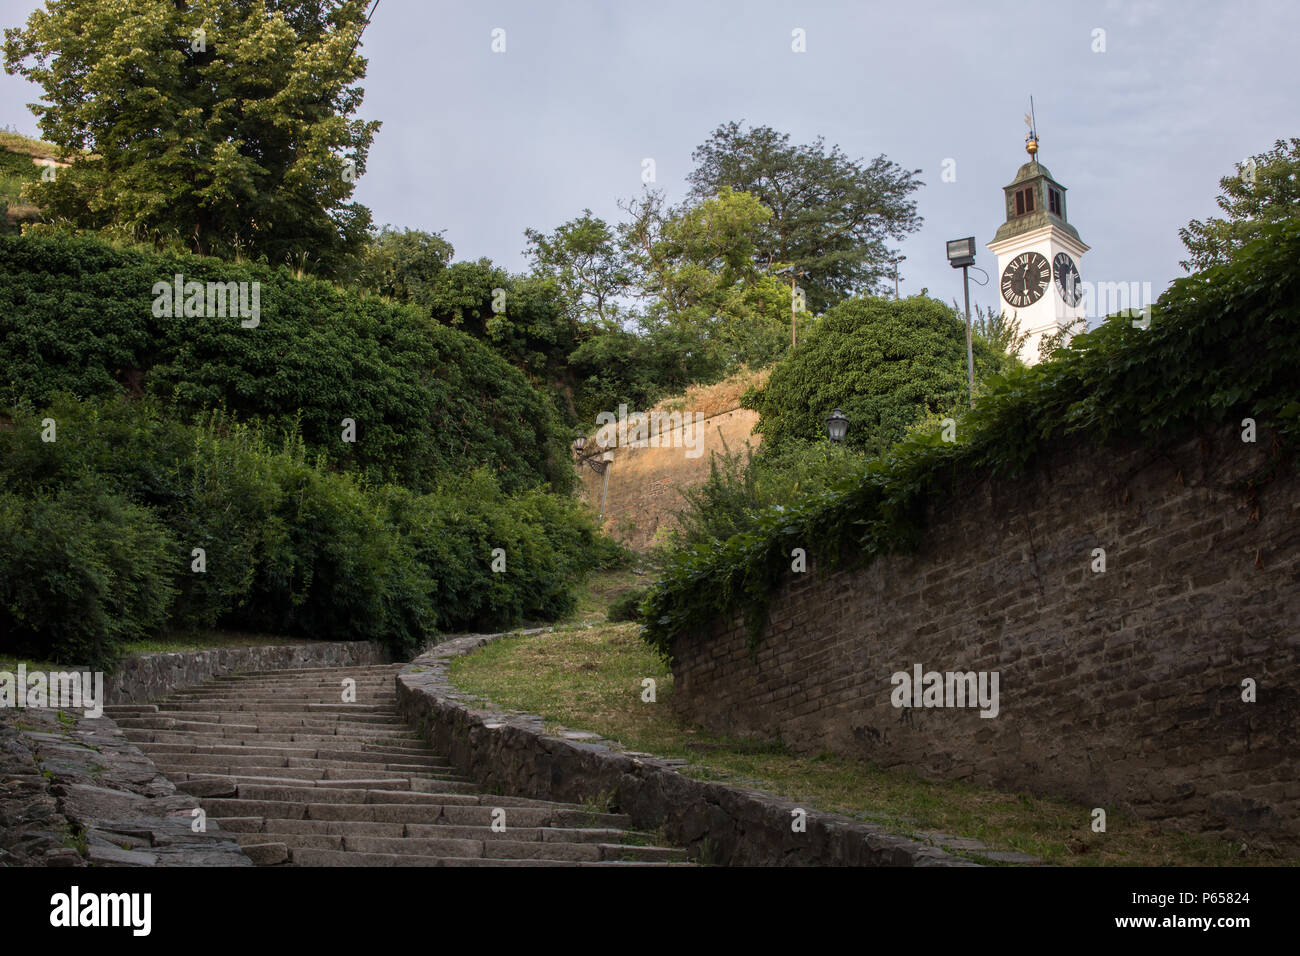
884	362
77	316
549	543
81	572
289	548
627	607
739	488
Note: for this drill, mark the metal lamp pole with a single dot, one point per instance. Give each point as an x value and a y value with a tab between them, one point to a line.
970	351
961	255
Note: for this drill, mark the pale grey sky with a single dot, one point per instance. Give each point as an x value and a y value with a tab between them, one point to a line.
483	145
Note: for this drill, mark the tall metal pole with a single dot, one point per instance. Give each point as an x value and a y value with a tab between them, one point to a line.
793	338
970	352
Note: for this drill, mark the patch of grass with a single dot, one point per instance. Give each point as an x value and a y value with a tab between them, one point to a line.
75	839
17	143
589	678
599	592
602	802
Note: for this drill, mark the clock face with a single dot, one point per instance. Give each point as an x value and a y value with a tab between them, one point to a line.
1067	279
1025	279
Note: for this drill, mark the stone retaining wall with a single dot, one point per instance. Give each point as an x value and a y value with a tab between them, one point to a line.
1118	688
511	753
148	677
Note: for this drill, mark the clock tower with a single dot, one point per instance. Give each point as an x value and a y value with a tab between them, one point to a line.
1038	255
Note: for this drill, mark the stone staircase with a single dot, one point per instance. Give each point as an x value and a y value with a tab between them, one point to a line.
301	778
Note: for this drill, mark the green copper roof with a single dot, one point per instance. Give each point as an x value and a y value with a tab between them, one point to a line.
1029	171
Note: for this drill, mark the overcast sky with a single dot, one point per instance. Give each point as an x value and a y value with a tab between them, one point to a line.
482	145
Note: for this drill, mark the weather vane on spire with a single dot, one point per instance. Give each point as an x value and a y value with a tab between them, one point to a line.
1031	138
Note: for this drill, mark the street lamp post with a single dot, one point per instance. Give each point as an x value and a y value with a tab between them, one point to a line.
896	262
961	255
600	465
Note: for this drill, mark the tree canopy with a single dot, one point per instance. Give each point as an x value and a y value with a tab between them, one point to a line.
832	216
1265	188
228	125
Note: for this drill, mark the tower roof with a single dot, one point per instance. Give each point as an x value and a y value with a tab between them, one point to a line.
1029	171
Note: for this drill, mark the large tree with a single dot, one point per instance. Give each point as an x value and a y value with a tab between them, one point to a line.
227	124
832	216
587	264
402	265
1265	188
707	286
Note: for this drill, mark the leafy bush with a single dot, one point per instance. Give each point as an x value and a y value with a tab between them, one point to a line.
1222	345
739	488
627	607
81	572
76	315
289	548
884	362
548	544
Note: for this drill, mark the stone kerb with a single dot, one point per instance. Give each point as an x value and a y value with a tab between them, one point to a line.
511	753
149	676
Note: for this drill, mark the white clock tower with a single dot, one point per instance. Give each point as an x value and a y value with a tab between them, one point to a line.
1038	255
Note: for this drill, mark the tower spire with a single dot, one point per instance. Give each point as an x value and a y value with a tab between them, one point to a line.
1031	139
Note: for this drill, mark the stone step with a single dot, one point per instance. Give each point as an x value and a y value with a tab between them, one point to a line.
336	758
303	779
254	723
255	791
300	776
370	755
315	708
232	736
374	696
350	812
322	827
225	763
345	858
266	854
226	785
318	673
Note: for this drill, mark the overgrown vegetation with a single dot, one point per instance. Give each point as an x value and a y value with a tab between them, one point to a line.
98	531
77	315
884	362
1222	345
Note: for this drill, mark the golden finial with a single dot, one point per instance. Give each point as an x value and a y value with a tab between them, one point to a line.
1031	138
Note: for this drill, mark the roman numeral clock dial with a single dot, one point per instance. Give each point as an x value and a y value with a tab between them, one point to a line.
1067	279
1025	279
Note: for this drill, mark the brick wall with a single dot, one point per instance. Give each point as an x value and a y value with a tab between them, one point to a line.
1118	689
